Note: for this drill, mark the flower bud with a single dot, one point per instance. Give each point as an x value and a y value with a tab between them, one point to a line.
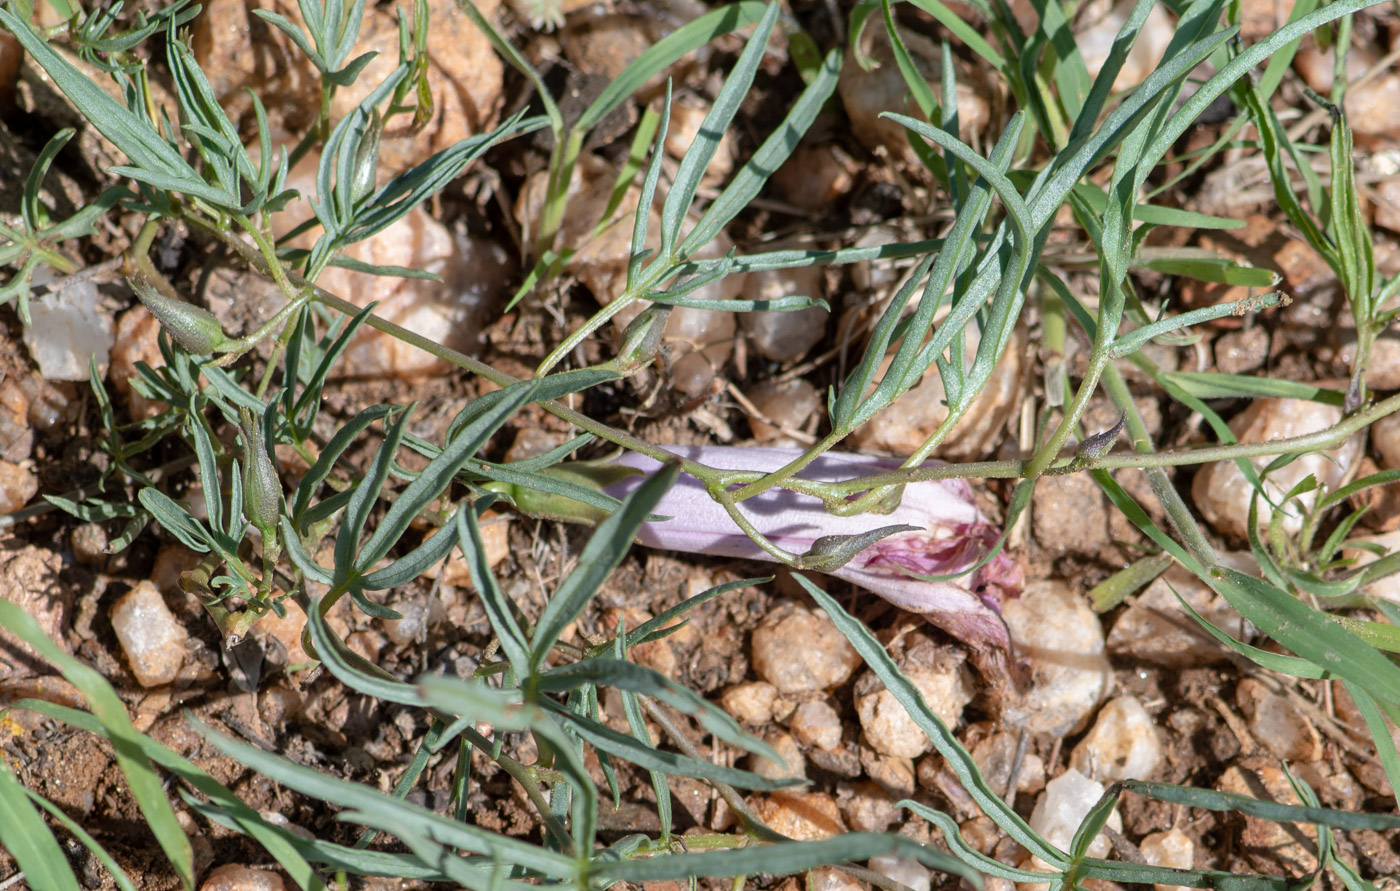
641	341
366	159
262	488
192	327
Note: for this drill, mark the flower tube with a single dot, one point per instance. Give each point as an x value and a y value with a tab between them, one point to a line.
949	534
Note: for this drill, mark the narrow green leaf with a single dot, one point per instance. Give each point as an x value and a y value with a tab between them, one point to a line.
26	837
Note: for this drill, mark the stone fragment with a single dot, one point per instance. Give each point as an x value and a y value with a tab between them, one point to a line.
1269	846
866	807
816	724
941	677
894	773
151	638
996	758
1221	492
804	816
1069	515
905	870
29	577
231	877
1062	807
751	702
1060	636
1157	629
89	542
1173	849
783	406
1122	744
1096	41
1385	436
814	176
16	434
67	330
686	119
137	340
867	93
829	878
450	312
18	485
785	336
902	427
800	651
1278	723
793	766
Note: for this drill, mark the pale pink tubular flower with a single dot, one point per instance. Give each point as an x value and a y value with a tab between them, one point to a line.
952	534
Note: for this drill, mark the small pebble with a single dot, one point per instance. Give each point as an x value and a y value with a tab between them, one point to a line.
866	94
89	543
794	766
67	330
752	703
412	628
981	833
1062	807
804	816
785	336
1062	639
686	120
1142	633
1221	492
1122	745
29	577
829	878
1269	846
16	434
941	677
1385	436
894	773
1239	352
154	642
18	485
231	877
137	340
816	725
1278	723
907	871
814	176
901	428
1096	41
996	756
1070	515
867	807
1173	849
786	404
800	651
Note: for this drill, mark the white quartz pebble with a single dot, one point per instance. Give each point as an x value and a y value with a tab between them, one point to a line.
1062	807
1173	849
1221	492
1060	635
1122	745
154	642
66	330
785	336
905	870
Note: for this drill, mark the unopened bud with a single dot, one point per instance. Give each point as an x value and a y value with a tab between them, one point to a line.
641	340
262	489
367	159
831	552
192	327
